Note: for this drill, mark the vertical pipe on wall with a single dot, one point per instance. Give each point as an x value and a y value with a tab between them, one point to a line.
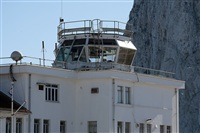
29	102
113	104
177	110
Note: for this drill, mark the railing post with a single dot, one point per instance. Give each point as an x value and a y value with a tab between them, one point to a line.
40	61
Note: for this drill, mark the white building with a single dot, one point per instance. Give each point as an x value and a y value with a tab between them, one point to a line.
91	87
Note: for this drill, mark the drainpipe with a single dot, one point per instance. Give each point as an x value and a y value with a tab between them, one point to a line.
177	110
113	104
29	103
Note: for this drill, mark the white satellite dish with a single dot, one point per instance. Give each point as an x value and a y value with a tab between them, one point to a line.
16	56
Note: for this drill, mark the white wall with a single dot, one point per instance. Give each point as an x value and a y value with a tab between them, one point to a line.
93	107
153	102
53	111
151	98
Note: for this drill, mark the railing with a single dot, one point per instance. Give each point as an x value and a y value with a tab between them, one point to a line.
93	26
84	66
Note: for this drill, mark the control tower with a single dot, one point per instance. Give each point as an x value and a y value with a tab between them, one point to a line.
94	45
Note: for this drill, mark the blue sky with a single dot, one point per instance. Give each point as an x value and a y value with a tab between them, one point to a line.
26	23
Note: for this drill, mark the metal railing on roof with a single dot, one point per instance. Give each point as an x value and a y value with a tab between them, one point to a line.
93	26
84	66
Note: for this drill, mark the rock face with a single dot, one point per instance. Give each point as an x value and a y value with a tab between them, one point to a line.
167	36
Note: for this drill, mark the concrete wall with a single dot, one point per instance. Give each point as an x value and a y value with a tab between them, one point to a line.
151	98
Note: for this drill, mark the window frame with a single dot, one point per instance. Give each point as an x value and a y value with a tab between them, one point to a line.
62	126
168	129
127	127
46	126
52	92
149	128
8	125
36	126
141	128
127	95
162	128
120	97
19	125
119	127
92	126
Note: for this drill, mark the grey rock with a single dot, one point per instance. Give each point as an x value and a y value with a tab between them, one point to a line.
167	36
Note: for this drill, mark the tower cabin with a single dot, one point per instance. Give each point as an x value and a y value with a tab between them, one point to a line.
90	87
94	44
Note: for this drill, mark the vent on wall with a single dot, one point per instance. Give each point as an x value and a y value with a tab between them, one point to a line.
41	87
94	90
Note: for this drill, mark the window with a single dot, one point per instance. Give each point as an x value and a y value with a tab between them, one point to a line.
148	128
18	125
123	95
120	94
8	125
141	129
127	95
125	56
46	126
162	129
119	127
92	127
127	127
94	90
168	129
51	92
62	126
41	87
36	126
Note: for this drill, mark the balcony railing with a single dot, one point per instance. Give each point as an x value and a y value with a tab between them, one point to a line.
93	26
84	66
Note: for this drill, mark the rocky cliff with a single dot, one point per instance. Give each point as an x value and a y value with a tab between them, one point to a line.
167	36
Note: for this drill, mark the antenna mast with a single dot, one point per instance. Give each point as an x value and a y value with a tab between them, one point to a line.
61	10
43	53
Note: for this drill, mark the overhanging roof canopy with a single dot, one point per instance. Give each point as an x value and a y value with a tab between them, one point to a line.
5	104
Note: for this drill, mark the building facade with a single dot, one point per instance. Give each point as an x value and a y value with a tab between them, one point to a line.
90	87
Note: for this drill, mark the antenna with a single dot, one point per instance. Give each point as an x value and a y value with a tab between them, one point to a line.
61	9
43	53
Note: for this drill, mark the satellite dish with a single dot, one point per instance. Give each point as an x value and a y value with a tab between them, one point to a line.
16	56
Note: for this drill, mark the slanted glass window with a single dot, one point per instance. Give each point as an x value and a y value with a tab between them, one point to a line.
46	126
125	56
62	126
51	92
141	129
8	125
127	95
36	126
120	94
74	53
102	54
109	54
18	125
60	55
127	127
83	56
92	126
